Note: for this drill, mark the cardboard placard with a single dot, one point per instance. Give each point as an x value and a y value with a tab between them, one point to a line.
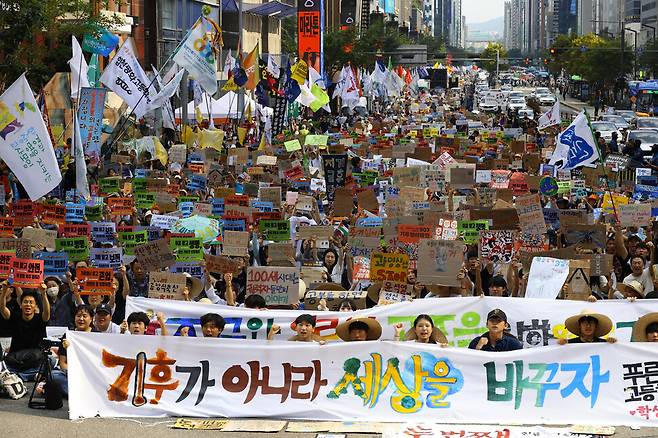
235	243
389	267
40	238
281	252
587	236
22	247
220	264
344	202
166	285
277	285
531	215
321	232
497	245
155	255
334	298
441	262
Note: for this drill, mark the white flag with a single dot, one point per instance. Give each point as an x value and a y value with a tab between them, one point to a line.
167	111
24	141
126	77
575	145
551	118
196	55
167	91
273	67
81	183
79	69
229	63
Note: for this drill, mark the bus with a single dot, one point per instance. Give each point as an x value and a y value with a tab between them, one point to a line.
646	93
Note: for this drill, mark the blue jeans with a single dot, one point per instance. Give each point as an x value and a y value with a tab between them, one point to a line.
61	378
27	375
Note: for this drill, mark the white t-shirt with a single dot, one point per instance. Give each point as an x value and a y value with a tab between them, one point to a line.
644	279
113	328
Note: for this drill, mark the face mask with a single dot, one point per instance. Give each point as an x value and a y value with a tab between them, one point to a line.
52	291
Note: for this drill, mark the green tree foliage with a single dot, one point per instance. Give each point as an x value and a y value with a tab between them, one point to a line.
491	52
35	36
289	35
648	59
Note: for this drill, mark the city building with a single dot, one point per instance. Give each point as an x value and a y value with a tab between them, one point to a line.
516	27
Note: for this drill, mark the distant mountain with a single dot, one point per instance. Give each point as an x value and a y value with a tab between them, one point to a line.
494	25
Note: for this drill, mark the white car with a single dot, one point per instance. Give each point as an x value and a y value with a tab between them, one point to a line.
647	137
606	129
527	113
546	99
647	123
628	115
488	105
619	121
540	90
506	88
515	104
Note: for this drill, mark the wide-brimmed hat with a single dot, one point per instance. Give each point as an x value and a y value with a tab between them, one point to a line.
603	326
302	289
374	290
640	327
437	336
196	285
631	286
374	328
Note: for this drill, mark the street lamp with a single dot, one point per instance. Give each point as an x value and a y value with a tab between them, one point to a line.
635	52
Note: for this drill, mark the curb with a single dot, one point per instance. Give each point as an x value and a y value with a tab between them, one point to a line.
568	105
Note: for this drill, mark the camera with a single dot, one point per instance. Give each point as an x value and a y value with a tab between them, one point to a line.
48	343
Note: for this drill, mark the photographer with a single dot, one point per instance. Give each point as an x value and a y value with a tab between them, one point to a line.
27	330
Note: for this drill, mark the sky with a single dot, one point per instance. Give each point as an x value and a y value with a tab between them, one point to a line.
477	11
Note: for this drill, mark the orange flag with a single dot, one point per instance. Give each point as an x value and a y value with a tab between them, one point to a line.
250	65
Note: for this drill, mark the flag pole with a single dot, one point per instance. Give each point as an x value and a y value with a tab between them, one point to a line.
605	172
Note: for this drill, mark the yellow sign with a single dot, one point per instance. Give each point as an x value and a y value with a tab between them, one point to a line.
607	202
300	72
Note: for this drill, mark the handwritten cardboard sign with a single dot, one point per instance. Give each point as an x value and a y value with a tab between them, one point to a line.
220	264
389	267
441	262
155	255
166	285
277	285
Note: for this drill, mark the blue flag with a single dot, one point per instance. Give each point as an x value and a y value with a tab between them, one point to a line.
100	41
576	146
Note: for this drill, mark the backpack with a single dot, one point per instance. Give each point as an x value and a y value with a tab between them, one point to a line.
11	384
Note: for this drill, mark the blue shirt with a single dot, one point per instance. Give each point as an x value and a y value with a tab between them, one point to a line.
508	343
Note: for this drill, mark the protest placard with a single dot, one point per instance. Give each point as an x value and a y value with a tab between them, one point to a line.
166	285
55	264
500	179
531	216
40	238
130	239
333	298
413	233
6	261
106	257
497	245
389	297
22	247
441	262
74	230
638	215
547	275
587	236
220	264
389	267
469	231
120	206
280	253
277	285
95	281
53	214
321	232
155	255
27	273
277	231
186	248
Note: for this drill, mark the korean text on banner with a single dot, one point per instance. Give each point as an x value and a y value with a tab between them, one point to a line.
355	381
90	119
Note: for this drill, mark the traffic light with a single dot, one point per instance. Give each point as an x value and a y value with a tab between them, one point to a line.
527	61
553	51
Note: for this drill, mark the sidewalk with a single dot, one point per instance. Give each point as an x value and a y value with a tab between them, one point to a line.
577	105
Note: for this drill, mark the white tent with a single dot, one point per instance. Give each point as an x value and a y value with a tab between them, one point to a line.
225	107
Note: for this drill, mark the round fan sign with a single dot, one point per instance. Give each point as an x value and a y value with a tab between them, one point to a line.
548	186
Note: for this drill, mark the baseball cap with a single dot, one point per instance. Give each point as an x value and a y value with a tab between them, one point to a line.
104	307
497	313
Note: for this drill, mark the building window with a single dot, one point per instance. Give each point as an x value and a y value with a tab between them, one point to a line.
167	14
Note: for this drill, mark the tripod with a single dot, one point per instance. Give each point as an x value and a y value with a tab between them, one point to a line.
45	370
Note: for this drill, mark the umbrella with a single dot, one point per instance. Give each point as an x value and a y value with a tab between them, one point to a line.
205	228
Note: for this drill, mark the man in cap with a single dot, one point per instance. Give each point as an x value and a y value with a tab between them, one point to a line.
103	320
497	338
588	327
359	329
646	328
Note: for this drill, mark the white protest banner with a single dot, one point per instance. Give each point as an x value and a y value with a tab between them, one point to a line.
535	322
547	275
25	144
125	76
531	215
278	285
155	376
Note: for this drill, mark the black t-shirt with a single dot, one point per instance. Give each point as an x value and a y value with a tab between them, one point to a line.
26	334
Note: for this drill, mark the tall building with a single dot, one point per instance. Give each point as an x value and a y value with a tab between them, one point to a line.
455	23
649	17
448	23
516	30
565	17
632	10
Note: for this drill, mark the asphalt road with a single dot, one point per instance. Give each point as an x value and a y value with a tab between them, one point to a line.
16	419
